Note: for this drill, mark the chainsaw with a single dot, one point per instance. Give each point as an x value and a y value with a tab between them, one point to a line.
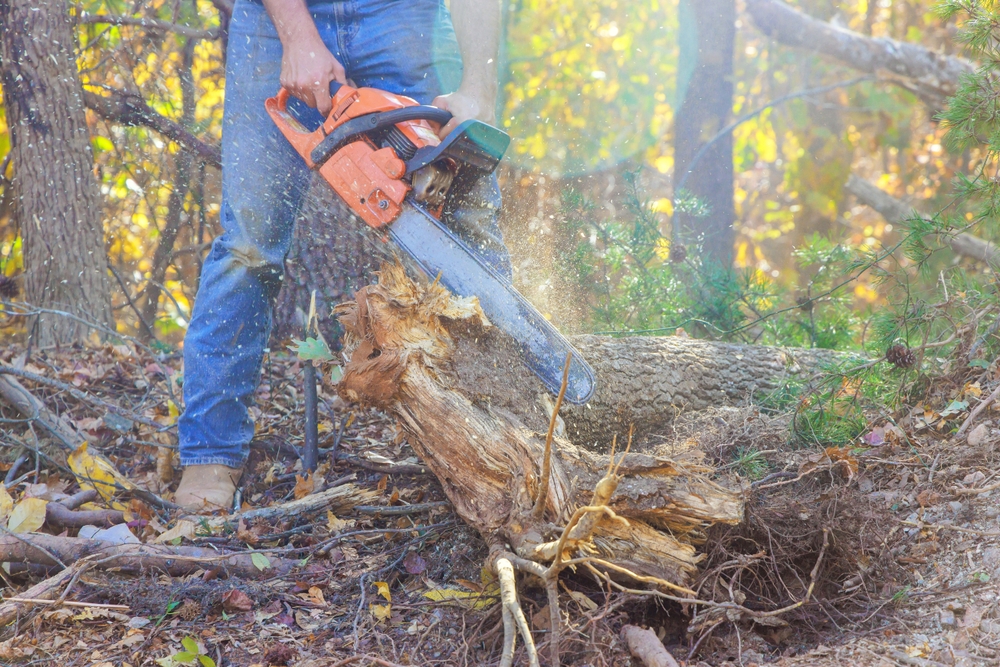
381	153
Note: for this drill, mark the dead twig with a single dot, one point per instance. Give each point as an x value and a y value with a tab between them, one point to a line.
985	403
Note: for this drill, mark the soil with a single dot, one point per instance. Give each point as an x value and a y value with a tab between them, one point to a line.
908	574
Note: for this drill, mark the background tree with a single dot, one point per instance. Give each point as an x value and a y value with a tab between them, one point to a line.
56	200
704	107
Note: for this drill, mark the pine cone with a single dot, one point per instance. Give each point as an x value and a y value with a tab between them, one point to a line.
8	287
900	356
678	253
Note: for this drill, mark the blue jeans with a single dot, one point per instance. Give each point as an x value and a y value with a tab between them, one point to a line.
403	46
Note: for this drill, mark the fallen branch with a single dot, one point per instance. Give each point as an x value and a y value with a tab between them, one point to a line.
930	75
58	516
126	108
174	560
339	499
47	589
895	211
22	400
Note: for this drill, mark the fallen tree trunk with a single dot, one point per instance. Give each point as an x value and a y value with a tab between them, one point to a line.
474	418
646	381
894	211
930	75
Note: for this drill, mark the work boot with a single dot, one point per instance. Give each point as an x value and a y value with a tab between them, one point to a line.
207	488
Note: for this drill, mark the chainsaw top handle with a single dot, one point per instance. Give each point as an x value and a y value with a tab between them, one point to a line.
375	121
317	147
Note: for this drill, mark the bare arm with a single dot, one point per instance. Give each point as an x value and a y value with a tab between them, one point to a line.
477	28
307	66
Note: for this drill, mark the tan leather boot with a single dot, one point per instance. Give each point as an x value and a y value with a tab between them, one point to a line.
207	488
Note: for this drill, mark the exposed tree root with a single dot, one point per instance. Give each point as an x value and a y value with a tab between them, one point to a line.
541	502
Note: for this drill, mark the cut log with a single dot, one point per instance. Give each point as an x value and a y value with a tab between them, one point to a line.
469	404
930	75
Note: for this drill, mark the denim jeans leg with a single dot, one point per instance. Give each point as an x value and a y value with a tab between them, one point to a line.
263	181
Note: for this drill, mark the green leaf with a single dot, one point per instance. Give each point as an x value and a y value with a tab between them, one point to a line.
184	656
102	144
979	363
168	661
206	661
190	645
336	373
311	349
260	561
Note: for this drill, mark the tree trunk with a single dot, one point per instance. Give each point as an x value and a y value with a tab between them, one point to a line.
646	381
930	75
705	102
473	414
332	253
57	203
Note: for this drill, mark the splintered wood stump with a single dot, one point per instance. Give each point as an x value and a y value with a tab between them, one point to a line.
460	389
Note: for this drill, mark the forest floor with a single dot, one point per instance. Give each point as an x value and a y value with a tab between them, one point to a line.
899	535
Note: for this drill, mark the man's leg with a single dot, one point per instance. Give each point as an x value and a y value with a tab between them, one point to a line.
263	181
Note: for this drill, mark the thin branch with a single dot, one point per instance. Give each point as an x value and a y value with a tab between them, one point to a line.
119	106
151	24
808	92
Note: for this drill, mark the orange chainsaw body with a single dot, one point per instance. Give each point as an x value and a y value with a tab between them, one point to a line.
368	178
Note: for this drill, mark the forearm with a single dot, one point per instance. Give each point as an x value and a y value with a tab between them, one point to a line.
293	22
477	28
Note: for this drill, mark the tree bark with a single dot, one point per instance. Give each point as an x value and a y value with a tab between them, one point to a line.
894	211
471	409
332	253
57	203
930	75
645	381
705	92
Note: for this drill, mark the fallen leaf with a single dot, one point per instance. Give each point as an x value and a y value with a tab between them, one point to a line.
6	503
414	564
383	590
335	525
583	600
314	595
303	486
380	611
183	528
236	600
97	472
260	561
467	599
305	621
27	516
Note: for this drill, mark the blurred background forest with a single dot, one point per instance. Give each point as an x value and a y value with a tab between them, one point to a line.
609	103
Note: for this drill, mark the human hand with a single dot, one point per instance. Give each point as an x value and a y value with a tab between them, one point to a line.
307	70
465	105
